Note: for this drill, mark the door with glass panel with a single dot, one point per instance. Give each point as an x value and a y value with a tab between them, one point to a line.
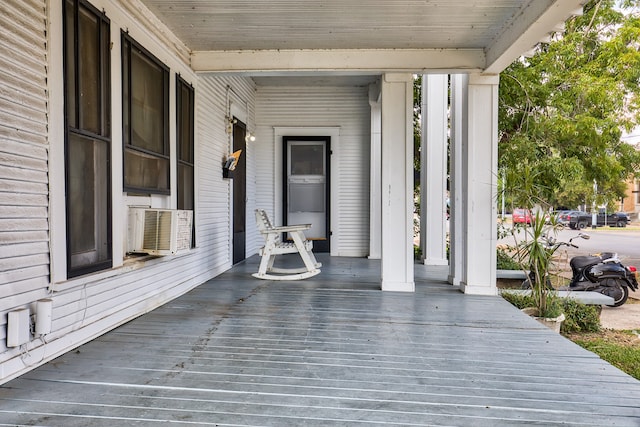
306	186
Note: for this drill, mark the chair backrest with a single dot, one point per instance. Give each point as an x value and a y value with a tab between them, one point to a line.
264	225
262	220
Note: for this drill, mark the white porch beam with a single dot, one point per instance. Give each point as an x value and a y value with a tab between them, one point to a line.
433	169
527	29
362	60
397	182
479	185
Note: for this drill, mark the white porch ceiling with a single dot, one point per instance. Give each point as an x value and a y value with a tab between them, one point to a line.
272	36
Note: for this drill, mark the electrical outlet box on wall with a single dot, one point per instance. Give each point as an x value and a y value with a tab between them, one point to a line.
18	327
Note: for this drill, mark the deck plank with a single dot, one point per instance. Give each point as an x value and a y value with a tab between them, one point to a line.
331	350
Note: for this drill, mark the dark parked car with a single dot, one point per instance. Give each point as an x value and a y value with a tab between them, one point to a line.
579	220
573	218
561	216
616	219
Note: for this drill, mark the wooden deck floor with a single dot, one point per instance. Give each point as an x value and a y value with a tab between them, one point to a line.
331	350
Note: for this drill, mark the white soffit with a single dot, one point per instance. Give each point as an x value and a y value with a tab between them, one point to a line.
538	20
359	35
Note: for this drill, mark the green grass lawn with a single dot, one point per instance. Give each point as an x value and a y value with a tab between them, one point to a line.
620	348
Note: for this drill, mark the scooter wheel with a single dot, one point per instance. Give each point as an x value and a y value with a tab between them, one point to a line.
614	289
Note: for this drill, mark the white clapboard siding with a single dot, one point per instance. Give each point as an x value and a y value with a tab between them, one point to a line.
262	162
316	106
87	306
213	208
159	281
214	202
24	191
131	293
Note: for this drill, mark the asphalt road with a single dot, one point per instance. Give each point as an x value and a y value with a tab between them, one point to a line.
624	241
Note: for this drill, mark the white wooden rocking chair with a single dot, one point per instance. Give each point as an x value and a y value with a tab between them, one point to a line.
275	246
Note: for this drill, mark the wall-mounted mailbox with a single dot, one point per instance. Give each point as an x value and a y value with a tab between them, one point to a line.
230	164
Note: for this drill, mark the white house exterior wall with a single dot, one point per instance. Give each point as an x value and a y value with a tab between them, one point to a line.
343	107
214	207
24	225
32	187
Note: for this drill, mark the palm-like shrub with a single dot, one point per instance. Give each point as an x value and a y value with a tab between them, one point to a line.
534	253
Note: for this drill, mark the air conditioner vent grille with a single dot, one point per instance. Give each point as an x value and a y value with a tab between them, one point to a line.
157	230
160	231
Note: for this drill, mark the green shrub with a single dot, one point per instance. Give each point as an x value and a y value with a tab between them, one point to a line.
579	317
505	262
520	301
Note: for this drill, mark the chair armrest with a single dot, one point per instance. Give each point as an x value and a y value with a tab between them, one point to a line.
289	228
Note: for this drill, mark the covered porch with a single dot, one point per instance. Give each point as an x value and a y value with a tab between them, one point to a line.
331	350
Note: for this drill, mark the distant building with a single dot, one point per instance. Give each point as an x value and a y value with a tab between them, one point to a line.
631	202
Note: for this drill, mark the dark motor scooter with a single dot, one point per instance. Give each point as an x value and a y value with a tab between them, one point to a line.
603	273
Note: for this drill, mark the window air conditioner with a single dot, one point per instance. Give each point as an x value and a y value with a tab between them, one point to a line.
159	231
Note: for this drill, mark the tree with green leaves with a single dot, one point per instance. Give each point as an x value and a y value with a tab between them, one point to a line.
563	110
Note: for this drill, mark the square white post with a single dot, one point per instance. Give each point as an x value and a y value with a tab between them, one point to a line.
457	223
397	182
480	155
433	169
375	183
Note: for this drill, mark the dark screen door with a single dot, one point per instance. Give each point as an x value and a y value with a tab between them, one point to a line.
239	193
306	186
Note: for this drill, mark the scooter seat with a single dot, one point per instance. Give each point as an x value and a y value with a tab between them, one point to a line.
608	255
583	261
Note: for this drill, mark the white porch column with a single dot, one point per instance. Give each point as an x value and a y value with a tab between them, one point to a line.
480	154
433	169
459	83
397	182
375	184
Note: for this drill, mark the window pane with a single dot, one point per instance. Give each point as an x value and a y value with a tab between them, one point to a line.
184	139
87	101
126	115
145	93
307	159
88	177
185	186
70	64
144	171
89	55
147	103
185	123
306	197
106	79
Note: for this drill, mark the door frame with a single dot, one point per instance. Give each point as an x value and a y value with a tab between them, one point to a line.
239	242
319	245
304	131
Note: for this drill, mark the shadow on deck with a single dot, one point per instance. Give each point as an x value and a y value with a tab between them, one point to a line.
331	350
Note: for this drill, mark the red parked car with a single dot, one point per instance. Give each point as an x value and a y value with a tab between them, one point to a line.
521	216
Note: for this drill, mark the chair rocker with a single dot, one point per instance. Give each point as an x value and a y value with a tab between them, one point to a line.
273	246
